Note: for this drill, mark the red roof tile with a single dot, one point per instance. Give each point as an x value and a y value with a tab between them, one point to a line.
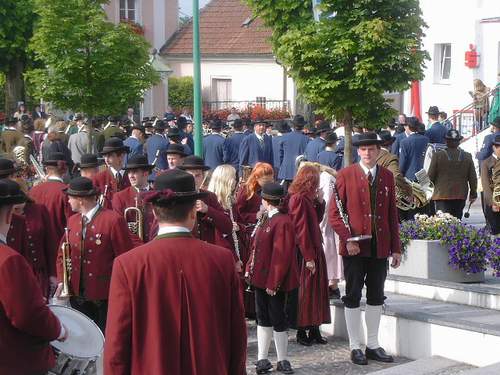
222	33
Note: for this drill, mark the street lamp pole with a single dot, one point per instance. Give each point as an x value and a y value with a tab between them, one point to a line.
198	130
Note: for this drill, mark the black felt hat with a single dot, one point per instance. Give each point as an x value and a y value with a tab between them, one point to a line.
7	167
260	120
159	124
366	139
55	159
11	193
12	120
386	137
496	122
114	144
175	149
81	187
323	127
298	121
496	140
138	162
174	185
433	110
173	132
273	191
453	135
169	117
331	138
216	124
193	162
88	161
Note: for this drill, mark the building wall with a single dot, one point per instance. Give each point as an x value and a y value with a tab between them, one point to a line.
458	23
250	78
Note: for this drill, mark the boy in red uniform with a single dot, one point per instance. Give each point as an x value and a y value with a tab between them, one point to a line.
273	271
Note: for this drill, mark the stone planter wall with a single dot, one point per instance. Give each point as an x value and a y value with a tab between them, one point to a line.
429	260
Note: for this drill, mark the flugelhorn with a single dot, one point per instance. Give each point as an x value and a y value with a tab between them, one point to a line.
248	275
135	226
102	197
66	266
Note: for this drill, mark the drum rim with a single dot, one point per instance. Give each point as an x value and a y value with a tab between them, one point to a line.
92	323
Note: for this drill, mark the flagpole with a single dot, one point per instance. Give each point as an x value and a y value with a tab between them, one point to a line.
197	109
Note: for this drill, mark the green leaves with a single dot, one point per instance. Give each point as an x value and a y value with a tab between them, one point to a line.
344	64
90	64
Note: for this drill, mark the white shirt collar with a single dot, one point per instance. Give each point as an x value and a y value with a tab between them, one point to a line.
494	156
114	171
366	169
55	178
3	238
272	212
146	188
174	229
89	215
259	137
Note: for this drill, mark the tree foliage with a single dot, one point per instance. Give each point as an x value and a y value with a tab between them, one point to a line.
92	65
358	50
180	92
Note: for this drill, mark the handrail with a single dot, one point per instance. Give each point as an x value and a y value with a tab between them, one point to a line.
471	105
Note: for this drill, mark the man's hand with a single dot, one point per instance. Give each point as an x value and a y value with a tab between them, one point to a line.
239	266
66	334
201	207
495	208
270	292
472	200
396	260
320	196
353	248
311	266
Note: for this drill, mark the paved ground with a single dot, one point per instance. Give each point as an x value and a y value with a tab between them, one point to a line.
332	358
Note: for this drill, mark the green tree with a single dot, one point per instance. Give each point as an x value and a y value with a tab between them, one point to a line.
180	92
344	63
16	28
92	65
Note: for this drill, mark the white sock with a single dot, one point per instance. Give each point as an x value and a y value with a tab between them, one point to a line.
353	322
264	336
281	343
372	320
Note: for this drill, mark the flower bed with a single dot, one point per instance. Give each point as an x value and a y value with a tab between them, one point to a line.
469	249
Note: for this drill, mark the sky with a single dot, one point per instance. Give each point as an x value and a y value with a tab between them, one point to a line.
186	6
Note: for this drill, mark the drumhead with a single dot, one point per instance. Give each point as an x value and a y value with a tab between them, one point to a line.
85	339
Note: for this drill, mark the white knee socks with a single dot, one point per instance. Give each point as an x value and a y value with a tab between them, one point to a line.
372	320
281	343
354	329
264	336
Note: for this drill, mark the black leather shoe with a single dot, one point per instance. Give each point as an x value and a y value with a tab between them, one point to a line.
285	367
315	336
378	354
334	293
302	338
358	358
263	366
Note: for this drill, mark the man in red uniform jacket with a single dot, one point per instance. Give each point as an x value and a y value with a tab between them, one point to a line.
138	171
175	305
113	179
368	207
96	237
50	193
211	215
26	324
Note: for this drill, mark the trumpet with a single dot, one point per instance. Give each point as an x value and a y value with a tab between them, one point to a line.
67	266
136	226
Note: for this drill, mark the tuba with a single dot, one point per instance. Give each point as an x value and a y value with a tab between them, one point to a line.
421	195
496	195
135	226
66	266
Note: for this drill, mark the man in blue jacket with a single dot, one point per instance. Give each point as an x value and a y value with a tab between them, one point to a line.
256	147
317	145
293	144
437	131
156	145
487	148
213	145
412	151
232	145
281	128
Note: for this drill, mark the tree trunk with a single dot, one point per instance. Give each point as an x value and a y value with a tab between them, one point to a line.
14	87
347	138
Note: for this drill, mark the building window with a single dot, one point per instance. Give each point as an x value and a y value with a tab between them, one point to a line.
128	10
442	62
221	92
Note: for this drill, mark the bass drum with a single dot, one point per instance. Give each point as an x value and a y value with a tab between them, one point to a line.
85	343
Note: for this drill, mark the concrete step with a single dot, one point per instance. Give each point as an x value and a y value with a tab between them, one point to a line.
485	295
417	328
427	366
488	370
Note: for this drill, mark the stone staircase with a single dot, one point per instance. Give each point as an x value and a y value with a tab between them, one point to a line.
445	328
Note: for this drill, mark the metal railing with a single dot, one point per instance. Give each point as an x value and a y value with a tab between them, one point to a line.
244	104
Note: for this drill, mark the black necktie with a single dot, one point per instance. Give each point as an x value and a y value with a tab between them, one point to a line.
370	177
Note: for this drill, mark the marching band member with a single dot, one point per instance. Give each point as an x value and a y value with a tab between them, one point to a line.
174	303
138	171
272	271
488	168
26	323
50	193
89	166
366	205
113	179
306	208
174	154
96	237
211	215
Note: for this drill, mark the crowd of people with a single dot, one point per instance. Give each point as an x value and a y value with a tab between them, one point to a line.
169	252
